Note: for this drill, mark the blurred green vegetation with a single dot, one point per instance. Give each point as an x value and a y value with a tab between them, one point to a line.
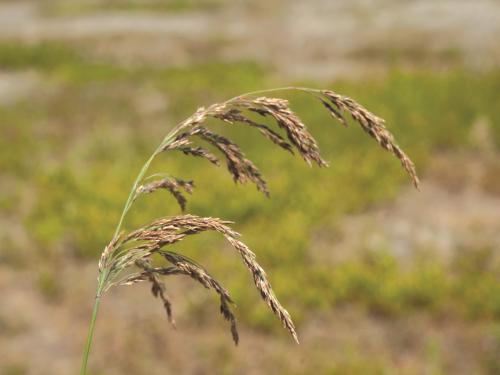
78	7
73	152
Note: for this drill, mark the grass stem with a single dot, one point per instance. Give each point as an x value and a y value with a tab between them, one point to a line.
88	345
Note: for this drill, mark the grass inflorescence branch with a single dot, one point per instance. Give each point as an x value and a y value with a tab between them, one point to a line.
135	250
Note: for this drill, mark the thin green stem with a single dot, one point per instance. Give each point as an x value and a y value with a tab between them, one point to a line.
132	193
88	345
140	177
287	88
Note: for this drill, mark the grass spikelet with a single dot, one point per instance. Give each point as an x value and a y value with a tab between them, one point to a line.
170	184
200	152
286	119
235	115
136	248
186	266
157	287
239	166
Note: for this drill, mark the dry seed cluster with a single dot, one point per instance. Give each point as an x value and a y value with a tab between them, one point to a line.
136	248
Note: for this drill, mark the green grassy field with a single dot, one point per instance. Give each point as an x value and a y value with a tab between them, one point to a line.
69	154
64	8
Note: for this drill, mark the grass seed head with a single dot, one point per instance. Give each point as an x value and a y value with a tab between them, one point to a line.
136	249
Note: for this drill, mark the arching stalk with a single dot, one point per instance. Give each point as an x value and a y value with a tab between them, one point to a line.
117	256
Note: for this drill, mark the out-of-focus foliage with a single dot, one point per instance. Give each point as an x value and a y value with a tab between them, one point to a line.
61	7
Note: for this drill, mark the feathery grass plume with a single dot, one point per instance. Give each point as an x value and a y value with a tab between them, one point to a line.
136	249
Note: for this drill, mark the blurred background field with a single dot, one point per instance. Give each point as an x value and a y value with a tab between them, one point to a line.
379	278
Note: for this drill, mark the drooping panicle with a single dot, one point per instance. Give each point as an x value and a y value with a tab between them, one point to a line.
374	126
142	247
154	237
263	285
